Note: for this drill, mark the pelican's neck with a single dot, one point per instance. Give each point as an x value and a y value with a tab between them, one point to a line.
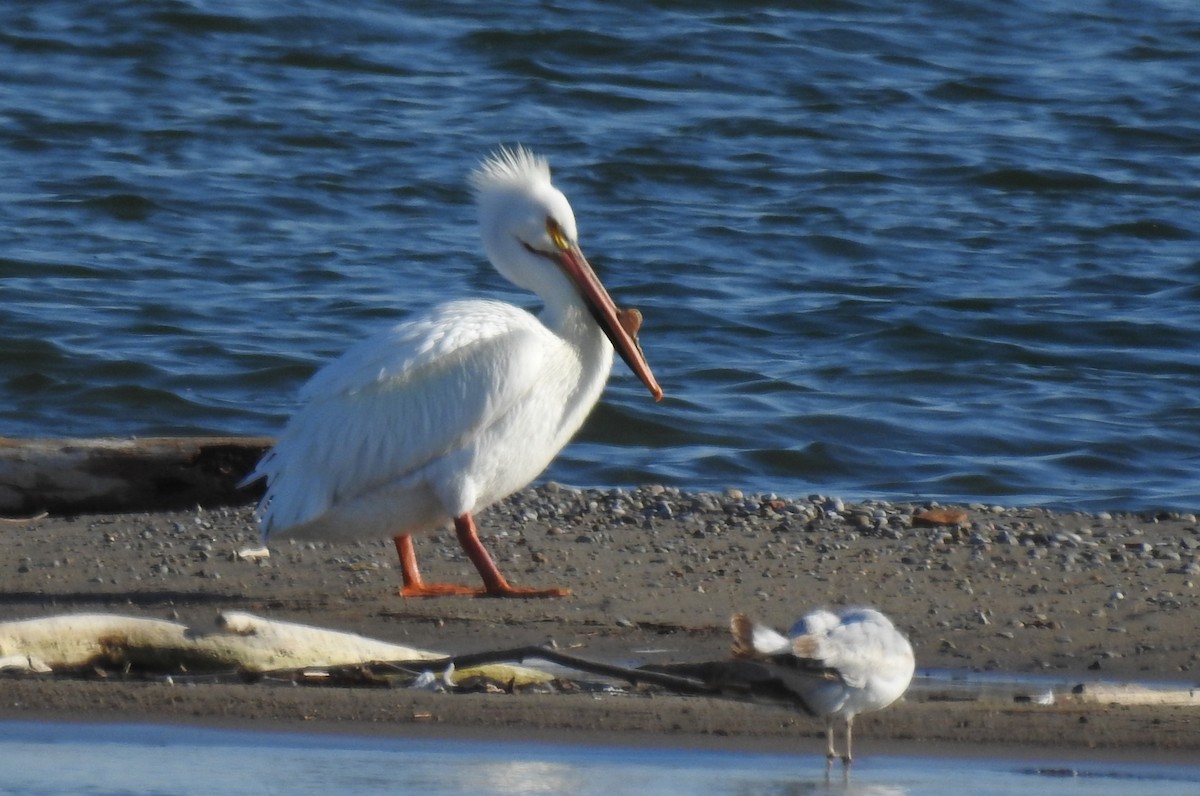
572	323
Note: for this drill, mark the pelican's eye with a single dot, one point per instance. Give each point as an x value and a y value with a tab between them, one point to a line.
555	231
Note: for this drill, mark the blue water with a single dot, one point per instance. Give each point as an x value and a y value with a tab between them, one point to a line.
123	760
888	249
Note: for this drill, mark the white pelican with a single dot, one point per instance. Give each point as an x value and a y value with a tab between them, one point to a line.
433	419
833	665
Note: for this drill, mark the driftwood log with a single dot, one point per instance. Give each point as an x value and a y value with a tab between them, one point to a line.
75	476
240	642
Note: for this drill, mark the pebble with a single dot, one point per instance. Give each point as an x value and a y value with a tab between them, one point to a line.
940	517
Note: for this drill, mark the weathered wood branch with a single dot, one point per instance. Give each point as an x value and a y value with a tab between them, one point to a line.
679	684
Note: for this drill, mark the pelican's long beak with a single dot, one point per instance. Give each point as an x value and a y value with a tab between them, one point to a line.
623	334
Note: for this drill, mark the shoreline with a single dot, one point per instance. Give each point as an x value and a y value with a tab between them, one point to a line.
1095	732
1143	734
655	574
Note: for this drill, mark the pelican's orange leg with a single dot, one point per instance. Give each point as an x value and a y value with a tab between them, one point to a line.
494	584
411	576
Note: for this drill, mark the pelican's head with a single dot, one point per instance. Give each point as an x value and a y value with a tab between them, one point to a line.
518	209
529	234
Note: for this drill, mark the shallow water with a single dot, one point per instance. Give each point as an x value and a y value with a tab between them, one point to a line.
119	759
898	250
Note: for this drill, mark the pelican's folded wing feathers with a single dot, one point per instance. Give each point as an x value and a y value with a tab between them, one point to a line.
397	401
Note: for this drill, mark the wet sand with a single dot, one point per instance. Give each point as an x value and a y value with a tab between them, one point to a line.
655	574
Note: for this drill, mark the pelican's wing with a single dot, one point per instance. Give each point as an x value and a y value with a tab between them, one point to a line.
398	401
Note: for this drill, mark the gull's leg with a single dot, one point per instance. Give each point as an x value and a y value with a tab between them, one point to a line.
830	752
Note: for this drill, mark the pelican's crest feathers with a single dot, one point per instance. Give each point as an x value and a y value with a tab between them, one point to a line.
512	168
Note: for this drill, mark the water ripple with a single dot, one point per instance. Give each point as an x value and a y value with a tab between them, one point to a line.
880	251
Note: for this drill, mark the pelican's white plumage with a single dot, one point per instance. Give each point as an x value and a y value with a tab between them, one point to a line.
437	417
392	414
835	665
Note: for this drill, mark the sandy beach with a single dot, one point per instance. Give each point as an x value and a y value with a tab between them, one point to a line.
655	574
